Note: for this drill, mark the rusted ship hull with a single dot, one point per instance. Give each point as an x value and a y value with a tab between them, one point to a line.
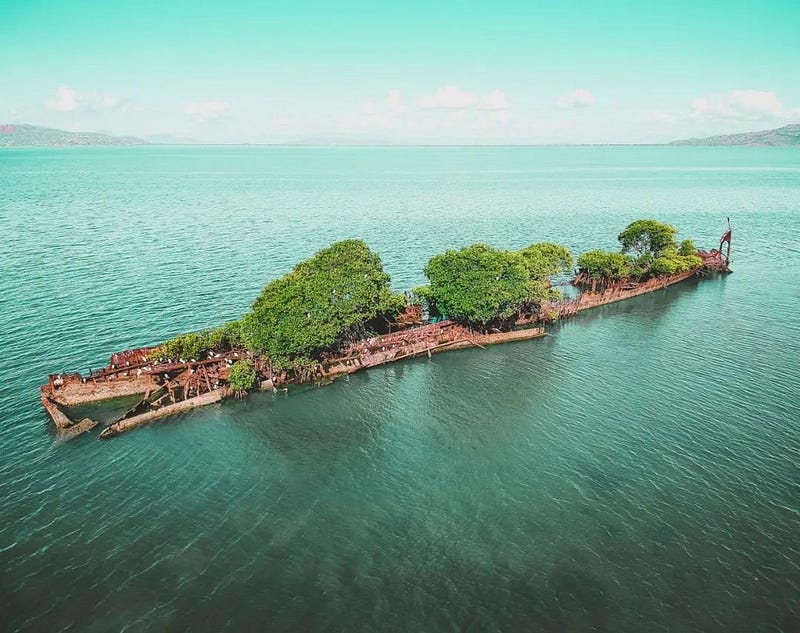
140	378
173	387
128	424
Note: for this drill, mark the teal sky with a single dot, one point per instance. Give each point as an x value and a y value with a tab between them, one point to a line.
412	72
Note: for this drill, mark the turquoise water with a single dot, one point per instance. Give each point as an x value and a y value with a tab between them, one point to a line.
636	470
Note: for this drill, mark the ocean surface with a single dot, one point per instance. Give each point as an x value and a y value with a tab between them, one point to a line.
638	469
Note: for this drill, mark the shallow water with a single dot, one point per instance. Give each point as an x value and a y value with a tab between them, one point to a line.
637	469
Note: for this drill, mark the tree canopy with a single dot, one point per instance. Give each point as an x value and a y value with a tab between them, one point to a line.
647	236
480	284
605	266
322	302
546	259
687	248
339	294
648	248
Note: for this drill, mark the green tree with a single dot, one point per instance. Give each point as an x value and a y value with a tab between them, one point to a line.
242	376
480	284
647	236
670	261
320	304
604	266
546	259
687	248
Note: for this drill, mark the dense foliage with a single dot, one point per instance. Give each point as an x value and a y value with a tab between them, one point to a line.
194	345
604	265
546	259
482	285
242	376
479	283
687	248
670	261
647	236
320	304
341	293
648	248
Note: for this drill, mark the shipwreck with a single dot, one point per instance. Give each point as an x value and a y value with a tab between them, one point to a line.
167	384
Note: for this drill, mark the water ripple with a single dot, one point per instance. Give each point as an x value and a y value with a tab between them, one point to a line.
637	469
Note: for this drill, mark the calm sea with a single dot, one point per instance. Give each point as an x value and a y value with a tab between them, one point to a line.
636	470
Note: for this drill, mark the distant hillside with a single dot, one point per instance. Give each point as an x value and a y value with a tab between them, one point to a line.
786	136
21	135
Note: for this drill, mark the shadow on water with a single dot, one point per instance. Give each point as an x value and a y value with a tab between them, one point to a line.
647	307
312	423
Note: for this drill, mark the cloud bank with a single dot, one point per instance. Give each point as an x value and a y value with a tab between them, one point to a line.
741	105
454	98
202	111
70	100
580	98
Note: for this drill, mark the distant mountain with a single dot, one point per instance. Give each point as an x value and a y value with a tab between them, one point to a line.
786	136
22	135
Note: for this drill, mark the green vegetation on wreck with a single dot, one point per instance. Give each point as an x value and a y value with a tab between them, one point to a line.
648	249
484	286
242	377
342	294
194	344
324	302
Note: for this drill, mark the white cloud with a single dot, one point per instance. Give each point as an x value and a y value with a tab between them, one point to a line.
368	108
498	116
67	100
205	110
395	101
740	104
495	100
447	112
449	97
580	98
70	100
658	116
454	98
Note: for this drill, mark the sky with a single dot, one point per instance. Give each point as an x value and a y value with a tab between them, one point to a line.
281	71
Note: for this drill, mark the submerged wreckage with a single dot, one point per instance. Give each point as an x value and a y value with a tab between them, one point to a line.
167	386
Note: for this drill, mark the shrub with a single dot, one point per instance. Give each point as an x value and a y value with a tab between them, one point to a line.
186	346
605	266
671	261
480	284
242	376
687	248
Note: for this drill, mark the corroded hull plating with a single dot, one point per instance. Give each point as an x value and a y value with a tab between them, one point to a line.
180	386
